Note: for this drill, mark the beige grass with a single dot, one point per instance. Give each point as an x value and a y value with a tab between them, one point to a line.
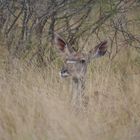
34	105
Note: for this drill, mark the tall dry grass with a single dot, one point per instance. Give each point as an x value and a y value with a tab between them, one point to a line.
34	104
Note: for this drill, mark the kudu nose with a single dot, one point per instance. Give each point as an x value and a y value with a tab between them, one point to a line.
64	73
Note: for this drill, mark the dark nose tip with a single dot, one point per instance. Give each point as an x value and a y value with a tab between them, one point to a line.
64	71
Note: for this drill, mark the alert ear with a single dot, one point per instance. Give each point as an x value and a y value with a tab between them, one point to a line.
61	45
98	51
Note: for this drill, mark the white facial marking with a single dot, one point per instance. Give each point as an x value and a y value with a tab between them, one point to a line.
71	62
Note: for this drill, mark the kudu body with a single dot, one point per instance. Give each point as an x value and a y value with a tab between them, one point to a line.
75	65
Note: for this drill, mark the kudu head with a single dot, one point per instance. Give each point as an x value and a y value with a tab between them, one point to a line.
75	63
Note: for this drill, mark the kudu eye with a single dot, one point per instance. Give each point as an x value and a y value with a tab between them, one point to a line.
82	61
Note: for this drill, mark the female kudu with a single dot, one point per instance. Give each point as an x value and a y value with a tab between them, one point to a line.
75	65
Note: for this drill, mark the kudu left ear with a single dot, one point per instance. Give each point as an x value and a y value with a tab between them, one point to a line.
98	51
59	41
61	45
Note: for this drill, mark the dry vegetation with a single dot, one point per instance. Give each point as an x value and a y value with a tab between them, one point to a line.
35	104
35	101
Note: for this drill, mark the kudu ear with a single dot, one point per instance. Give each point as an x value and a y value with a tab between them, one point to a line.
61	45
98	51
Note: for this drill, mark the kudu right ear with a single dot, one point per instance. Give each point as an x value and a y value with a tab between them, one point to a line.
98	51
61	45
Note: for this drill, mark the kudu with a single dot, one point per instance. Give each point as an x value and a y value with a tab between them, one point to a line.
75	65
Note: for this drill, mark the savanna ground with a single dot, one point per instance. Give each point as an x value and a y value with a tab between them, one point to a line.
34	104
35	101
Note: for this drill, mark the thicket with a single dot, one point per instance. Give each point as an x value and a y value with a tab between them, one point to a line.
27	26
